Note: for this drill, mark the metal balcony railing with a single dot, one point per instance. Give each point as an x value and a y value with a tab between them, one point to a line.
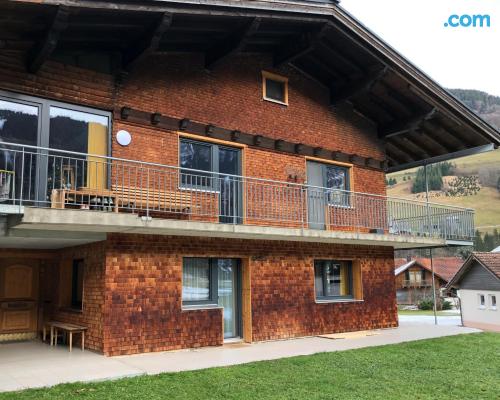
41	177
412	283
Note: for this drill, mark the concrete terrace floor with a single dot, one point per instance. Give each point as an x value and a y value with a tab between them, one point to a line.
35	364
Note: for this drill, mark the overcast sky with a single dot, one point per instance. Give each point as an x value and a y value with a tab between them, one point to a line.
467	58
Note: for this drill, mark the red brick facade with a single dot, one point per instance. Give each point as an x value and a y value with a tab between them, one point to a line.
133	284
144	292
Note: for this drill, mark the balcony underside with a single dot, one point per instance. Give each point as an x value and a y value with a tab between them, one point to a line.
49	228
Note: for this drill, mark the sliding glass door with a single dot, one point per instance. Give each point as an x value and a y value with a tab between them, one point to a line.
50	124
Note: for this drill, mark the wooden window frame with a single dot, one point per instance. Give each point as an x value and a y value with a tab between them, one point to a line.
278	78
355	282
212	284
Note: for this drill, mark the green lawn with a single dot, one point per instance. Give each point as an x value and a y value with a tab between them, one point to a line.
458	367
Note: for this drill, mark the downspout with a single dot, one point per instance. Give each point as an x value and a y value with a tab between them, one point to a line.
434	307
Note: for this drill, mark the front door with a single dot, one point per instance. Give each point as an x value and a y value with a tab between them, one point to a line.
229	294
18	298
230	185
316	196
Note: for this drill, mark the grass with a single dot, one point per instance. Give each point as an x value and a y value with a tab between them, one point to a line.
458	367
486	202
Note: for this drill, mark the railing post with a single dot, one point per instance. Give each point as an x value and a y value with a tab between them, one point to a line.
22	183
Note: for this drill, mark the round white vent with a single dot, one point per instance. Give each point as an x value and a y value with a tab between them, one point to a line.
123	138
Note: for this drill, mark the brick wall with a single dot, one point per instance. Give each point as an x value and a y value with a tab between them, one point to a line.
143	292
91	315
230	96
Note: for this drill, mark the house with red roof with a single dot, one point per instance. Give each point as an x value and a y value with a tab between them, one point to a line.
414	277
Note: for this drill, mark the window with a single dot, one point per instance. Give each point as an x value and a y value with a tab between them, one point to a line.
48	123
333	279
275	88
204	156
482	301
493	302
77	285
71	274
336	179
198	156
199	283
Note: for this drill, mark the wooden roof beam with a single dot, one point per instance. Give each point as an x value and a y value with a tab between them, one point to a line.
149	44
298	46
232	44
43	50
434	141
412	148
401	127
359	87
435	129
342	57
397	154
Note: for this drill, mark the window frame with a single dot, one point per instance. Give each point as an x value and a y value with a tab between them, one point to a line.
214	173
277	78
481	300
340	298
492	306
212	284
74	305
345	193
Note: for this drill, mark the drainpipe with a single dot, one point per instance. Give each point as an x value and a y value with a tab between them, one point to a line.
430	248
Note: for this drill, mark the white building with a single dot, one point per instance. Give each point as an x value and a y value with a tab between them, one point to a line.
478	284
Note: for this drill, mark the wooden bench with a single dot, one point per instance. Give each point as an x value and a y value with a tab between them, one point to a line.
84	197
164	200
67	328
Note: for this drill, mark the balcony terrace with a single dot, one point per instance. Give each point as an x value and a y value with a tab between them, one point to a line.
80	197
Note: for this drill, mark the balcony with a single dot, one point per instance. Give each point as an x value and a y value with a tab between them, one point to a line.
34	179
415	283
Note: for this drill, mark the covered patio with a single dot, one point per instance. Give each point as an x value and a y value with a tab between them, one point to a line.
35	364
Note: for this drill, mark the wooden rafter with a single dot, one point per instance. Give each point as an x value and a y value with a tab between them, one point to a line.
359	87
409	125
42	50
338	55
397	154
436	130
148	44
232	44
428	146
298	46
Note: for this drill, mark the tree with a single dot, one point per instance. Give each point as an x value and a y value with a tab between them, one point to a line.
478	241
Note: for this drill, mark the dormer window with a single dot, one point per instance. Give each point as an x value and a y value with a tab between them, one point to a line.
275	88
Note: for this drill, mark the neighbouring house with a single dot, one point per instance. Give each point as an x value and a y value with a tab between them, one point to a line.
414	277
478	286
177	174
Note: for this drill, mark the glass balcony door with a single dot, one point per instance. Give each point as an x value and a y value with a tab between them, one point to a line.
50	124
229	295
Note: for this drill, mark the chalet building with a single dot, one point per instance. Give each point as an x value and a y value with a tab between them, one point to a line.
478	286
175	174
414	277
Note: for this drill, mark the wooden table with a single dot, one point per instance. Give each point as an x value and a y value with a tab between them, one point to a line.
55	326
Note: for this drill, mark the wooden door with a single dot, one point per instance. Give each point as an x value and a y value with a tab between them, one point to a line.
18	296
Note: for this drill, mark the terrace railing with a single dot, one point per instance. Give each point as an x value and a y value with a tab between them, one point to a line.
41	177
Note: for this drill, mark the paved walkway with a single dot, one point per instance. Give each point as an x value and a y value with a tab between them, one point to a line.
35	364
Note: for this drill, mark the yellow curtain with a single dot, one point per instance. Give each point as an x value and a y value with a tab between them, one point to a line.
344	280
96	167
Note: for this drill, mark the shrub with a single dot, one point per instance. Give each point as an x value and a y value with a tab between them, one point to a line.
426	304
446	305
